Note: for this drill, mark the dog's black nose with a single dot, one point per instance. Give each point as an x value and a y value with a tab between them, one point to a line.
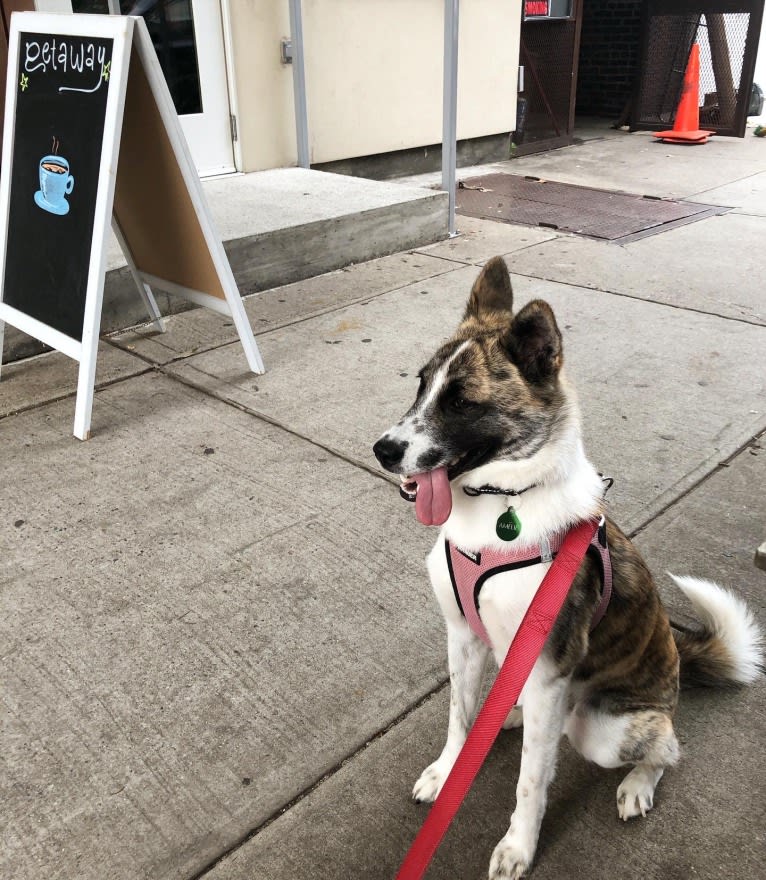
389	452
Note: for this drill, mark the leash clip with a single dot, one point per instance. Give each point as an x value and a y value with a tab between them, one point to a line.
546	554
601	531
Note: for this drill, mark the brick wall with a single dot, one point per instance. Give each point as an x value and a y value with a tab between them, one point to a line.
609	49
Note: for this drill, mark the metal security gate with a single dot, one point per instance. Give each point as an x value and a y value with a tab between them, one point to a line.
549	52
727	32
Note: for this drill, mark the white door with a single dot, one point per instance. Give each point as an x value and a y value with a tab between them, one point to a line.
188	38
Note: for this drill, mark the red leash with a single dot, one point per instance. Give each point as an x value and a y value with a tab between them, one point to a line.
522	654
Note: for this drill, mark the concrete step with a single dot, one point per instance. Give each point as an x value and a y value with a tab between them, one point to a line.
281	226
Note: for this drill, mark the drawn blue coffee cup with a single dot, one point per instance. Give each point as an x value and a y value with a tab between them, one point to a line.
55	184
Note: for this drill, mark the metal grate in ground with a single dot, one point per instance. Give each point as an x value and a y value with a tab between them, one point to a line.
582	210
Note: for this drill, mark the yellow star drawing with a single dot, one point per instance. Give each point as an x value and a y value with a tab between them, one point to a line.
24	82
105	74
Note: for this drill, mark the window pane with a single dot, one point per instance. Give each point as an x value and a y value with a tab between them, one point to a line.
171	27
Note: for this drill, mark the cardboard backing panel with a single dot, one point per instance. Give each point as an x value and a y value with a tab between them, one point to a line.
152	202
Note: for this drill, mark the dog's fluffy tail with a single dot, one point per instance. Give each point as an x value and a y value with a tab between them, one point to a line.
728	648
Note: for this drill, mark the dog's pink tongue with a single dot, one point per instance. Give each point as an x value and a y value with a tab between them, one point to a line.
434	499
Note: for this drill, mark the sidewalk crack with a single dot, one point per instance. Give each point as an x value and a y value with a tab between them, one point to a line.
310	789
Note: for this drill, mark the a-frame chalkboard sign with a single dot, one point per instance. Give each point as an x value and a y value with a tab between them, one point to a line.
91	137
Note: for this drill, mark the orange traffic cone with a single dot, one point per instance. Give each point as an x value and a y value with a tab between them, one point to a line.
686	128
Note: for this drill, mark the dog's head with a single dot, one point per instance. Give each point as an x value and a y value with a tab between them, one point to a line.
491	393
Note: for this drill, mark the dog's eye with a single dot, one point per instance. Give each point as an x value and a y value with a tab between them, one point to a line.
458	403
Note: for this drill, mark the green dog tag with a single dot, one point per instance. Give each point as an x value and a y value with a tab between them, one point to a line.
508	525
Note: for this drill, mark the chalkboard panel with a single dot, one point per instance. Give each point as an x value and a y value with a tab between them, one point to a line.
62	84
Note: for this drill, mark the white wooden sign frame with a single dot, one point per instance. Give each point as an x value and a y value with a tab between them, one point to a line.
125	31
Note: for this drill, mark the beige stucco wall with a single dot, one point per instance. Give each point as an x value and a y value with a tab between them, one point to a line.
373	73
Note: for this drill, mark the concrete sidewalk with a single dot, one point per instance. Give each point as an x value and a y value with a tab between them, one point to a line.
281	226
220	653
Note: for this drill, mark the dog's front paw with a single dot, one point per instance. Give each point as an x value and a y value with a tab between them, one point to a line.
431	781
509	860
635	795
515	719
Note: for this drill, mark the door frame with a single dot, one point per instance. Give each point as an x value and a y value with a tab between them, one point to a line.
211	16
231	81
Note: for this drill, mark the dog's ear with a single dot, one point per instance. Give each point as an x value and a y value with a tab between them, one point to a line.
534	342
491	294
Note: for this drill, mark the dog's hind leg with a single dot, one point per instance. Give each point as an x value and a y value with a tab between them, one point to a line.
467	656
544	699
644	739
651	745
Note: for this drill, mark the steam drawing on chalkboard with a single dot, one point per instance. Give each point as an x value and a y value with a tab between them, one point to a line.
56	183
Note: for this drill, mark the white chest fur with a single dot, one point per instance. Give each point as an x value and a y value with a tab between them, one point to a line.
503	601
561	488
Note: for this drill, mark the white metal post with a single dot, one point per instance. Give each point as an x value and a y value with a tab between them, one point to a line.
449	113
94	295
143	288
299	84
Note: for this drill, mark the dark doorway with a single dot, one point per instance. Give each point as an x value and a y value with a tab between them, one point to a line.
609	50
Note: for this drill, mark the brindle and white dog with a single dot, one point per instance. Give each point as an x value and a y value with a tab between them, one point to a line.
495	410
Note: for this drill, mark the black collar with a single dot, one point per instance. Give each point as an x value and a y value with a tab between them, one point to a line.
495	490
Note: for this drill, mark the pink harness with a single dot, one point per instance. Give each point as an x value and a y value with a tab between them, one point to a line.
470	571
